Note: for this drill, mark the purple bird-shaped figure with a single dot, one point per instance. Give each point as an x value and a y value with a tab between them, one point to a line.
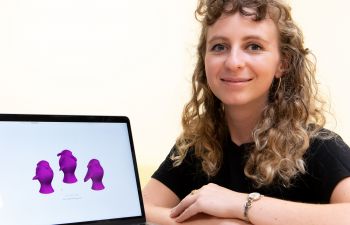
68	164
95	173
44	174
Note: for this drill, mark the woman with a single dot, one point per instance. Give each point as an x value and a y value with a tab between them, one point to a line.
253	147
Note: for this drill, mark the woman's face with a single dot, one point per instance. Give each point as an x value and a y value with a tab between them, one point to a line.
242	58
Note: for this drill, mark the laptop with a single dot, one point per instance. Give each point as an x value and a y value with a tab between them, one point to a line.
68	169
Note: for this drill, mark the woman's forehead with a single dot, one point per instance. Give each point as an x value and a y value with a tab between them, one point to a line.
237	25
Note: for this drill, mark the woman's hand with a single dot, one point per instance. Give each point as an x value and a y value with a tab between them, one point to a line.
211	199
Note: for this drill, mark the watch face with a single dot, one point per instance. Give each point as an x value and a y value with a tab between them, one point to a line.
254	196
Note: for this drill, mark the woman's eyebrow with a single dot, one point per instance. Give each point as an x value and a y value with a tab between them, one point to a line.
255	37
245	38
216	38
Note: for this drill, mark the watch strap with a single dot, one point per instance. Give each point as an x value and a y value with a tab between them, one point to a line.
252	197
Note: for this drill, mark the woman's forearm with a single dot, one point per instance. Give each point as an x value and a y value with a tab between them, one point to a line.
220	202
271	211
160	215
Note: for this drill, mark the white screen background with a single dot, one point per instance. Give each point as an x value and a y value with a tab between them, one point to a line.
24	144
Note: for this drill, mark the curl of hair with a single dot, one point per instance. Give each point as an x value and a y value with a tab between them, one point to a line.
293	116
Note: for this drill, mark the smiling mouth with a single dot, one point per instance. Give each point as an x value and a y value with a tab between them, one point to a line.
235	81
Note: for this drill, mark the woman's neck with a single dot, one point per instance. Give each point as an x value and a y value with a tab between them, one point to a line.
241	121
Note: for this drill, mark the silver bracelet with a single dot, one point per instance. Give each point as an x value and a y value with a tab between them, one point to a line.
252	197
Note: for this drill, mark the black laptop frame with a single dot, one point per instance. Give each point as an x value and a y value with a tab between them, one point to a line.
92	119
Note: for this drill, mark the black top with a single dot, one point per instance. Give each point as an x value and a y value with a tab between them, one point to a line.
327	162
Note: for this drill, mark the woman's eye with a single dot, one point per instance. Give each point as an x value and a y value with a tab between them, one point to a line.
218	48
254	47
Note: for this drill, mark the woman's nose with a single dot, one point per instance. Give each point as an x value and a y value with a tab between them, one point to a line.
235	59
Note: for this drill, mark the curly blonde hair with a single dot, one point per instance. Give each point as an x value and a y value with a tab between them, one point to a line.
294	114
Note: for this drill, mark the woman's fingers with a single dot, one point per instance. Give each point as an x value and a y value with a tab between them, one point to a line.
183	205
188	213
211	199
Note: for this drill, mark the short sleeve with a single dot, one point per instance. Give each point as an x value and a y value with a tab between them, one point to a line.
329	162
183	178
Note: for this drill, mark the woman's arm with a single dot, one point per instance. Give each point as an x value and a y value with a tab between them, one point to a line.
220	202
272	211
159	200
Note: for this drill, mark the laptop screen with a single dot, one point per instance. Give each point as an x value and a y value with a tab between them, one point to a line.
67	169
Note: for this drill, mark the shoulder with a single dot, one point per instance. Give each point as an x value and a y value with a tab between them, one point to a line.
327	143
183	178
168	164
328	160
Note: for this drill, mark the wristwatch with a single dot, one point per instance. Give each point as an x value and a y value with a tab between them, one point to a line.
252	197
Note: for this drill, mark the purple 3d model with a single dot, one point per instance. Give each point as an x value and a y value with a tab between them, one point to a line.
44	175
68	164
95	172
